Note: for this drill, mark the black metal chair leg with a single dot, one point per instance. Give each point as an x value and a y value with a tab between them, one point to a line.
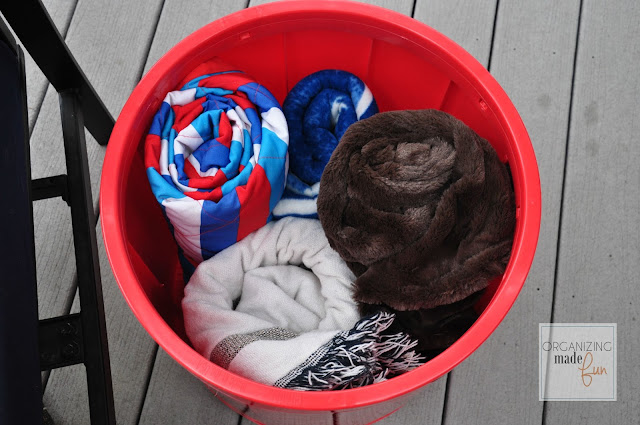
96	354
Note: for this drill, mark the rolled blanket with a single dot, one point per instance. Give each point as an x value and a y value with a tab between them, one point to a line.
216	156
419	206
276	308
319	109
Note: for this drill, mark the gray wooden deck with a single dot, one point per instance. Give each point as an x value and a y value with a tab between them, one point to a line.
572	69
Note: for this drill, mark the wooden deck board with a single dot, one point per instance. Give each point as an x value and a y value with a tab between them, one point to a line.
599	251
100	38
61	12
179	19
175	396
470	24
532	59
425	408
131	352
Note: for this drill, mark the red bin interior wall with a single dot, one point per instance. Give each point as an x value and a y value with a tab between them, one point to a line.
400	77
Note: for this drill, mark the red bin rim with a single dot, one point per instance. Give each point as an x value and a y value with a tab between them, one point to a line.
119	154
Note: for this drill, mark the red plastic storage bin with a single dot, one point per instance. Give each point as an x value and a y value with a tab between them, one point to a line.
407	65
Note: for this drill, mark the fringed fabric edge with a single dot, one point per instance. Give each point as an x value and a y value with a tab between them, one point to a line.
361	356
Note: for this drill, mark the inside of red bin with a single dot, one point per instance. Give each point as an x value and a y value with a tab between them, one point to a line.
400	77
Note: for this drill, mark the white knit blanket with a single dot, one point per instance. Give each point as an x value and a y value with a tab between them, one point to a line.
276	307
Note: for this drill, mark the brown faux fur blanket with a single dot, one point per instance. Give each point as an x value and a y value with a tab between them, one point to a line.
419	206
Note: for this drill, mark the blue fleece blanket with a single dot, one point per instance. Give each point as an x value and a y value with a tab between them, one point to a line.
318	109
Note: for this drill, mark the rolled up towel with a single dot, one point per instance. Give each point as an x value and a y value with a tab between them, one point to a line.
216	156
319	109
276	308
419	206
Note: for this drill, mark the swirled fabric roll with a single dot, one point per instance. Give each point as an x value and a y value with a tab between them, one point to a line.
216	158
419	206
319	109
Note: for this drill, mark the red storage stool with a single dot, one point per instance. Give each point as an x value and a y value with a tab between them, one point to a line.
407	65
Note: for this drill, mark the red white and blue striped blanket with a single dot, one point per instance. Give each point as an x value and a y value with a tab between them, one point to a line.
216	158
